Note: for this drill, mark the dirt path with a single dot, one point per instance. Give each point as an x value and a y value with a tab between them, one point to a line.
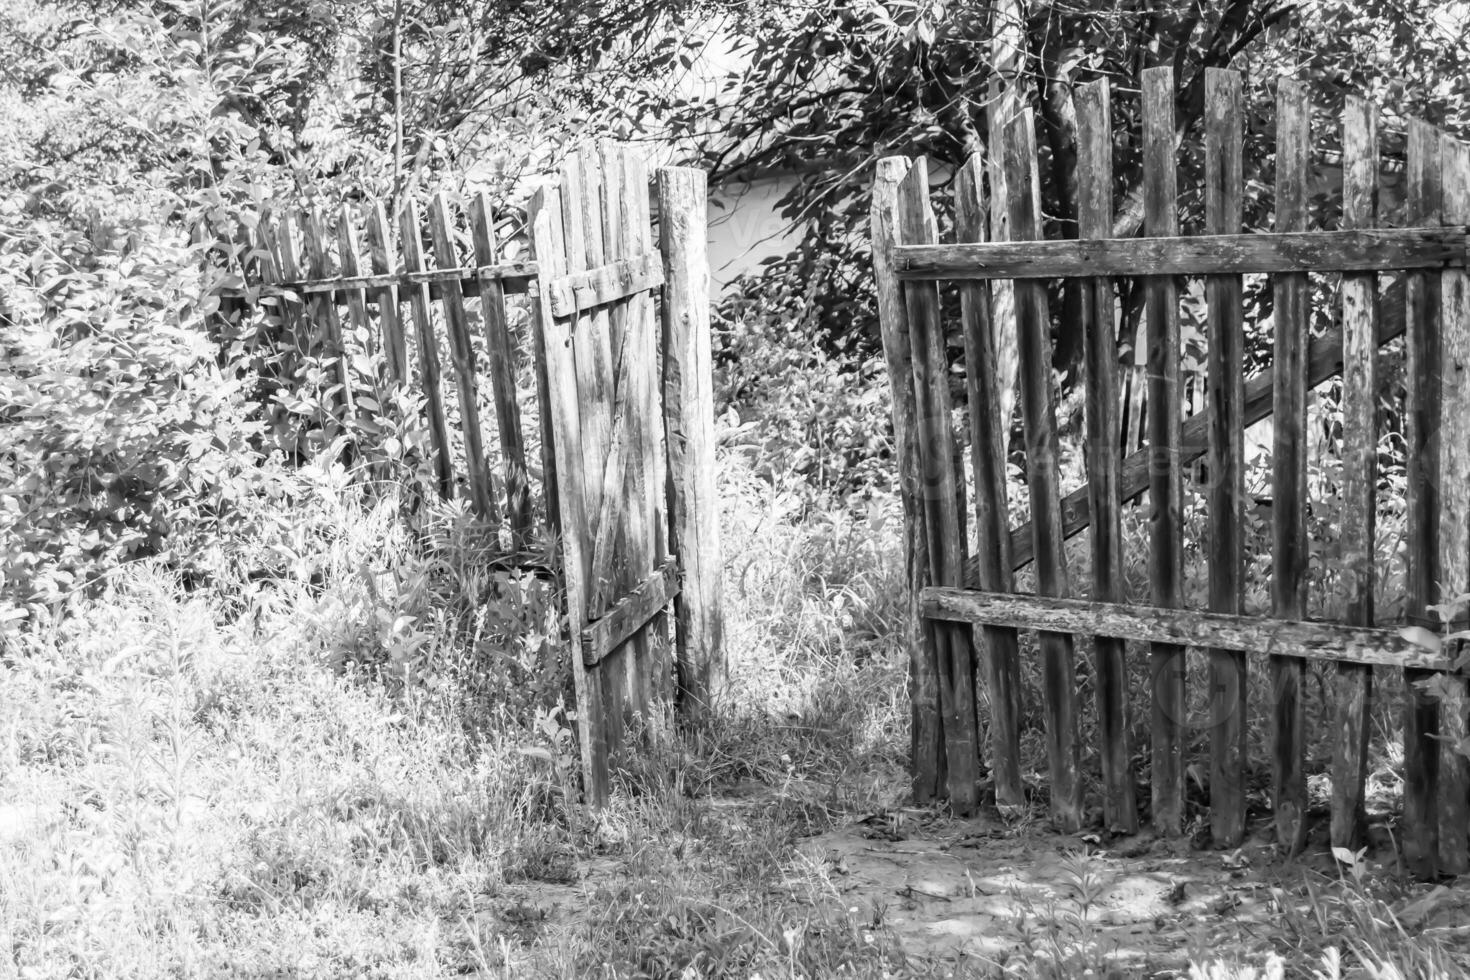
980	891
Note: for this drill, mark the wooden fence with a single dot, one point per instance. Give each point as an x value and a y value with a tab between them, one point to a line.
964	626
623	403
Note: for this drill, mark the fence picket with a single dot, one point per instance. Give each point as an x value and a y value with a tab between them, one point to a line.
1421	551
324	310
380	248
1166	485
1353	688
410	238
1000	658
941	511
500	353
1095	220
349	258
1454	503
1224	212
1292	317
926	735
1038	409
462	359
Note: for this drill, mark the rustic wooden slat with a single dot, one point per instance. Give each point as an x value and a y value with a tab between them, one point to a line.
1038	410
1353	685
1421	534
1166	483
1182	627
631	613
428	348
1362	250
548	243
462	358
605	284
635	352
1292	318
926	736
1224	213
323	312
349	256
380	247
688	408
592	351
500	354
654	482
1000	660
1006	97
1454	511
1095	220
1324	361
941	510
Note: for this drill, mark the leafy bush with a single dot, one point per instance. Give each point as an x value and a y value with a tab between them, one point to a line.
800	400
122	435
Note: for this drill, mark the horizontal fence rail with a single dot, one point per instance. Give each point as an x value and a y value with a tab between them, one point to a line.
1369	250
1185	627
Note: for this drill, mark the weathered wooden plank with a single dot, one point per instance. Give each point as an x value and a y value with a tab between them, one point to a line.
561	416
605	284
1095	220
1166	483
1324	361
1353	685
1333	642
1038	410
622	547
349	257
1359	250
462	358
1421	535
1454	511
941	510
1006	98
1292	318
592	346
1001	659
512	277
428	348
631	613
1225	381
652	480
926	736
380	247
323	311
688	407
500	353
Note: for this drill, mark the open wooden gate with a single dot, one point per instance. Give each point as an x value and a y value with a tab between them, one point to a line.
1422	264
624	394
630	400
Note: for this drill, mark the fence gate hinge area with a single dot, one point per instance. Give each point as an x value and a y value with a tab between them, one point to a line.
628	391
1408	281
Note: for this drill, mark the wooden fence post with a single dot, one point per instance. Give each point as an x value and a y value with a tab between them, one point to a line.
927	764
1095	220
1421	534
999	648
688	398
1224	214
1032	326
1454	501
1166	485
1292	316
1354	682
